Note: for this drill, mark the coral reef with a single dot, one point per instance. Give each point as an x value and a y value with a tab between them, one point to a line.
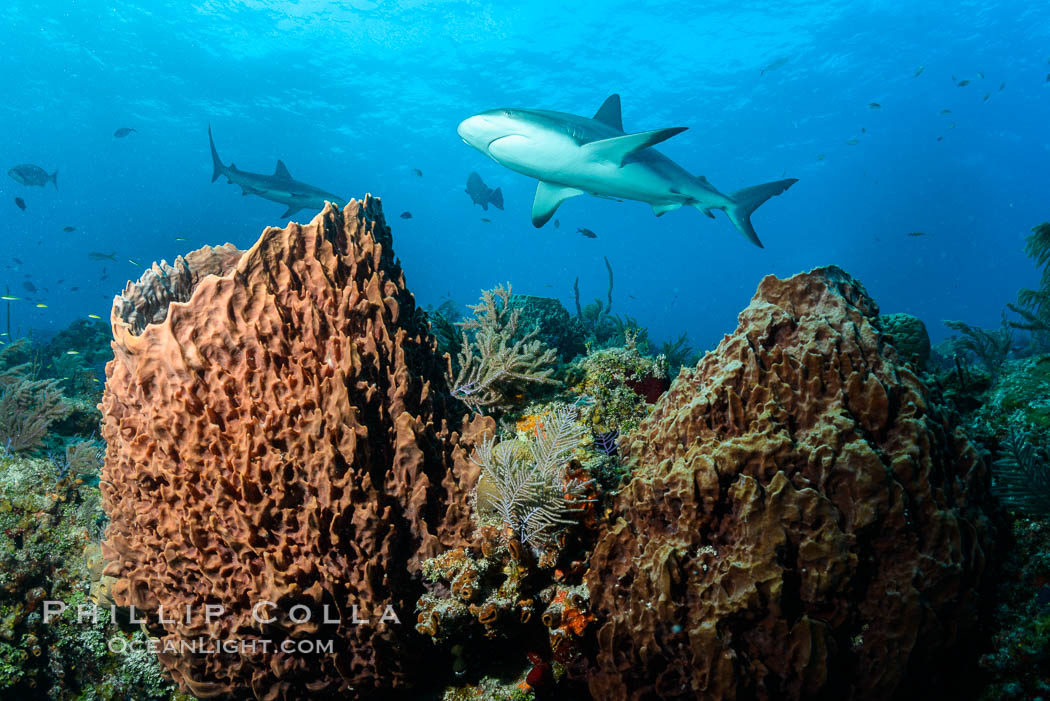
989	348
525	485
678	354
1022	477
277	423
1020	396
802	521
556	328
1018	664
1033	306
619	383
28	407
909	335
49	517
498	363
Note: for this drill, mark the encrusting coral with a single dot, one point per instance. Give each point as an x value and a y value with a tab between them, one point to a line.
497	363
278	431
803	522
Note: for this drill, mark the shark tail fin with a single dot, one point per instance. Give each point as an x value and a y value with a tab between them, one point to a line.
746	201
54	179
496	198
217	166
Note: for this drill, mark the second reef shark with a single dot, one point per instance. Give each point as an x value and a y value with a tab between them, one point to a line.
279	187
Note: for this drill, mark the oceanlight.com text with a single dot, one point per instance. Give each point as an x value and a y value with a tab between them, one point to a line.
205	646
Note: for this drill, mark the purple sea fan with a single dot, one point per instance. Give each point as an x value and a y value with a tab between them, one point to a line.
605	441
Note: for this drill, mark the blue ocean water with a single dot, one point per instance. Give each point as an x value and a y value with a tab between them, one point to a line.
353	96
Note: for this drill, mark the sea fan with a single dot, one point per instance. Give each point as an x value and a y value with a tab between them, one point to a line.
605	441
526	485
1022	479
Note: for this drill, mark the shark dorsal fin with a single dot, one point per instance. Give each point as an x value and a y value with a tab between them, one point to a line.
281	171
618	148
548	197
609	112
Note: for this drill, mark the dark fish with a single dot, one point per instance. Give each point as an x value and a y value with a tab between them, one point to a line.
556	223
73	289
418	172
779	63
918	71
853	142
21	203
946	112
1048	77
95	255
963	83
863	130
482	194
487	221
29	287
916	233
68	229
940	138
1002	86
980	75
587	232
122	132
29	174
986	96
406	215
874	106
16	260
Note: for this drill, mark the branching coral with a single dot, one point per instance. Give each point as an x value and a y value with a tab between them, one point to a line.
526	485
1034	305
989	347
1022	479
498	363
27	408
678	353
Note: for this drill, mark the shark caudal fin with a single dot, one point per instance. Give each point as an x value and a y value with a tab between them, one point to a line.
217	166
496	198
746	201
54	179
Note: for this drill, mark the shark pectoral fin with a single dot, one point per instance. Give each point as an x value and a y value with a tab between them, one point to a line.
609	112
618	148
709	213
281	171
548	197
292	209
662	209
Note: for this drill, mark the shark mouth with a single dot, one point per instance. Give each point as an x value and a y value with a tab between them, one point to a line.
499	138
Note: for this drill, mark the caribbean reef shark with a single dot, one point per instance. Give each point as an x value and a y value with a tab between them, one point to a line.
279	187
572	155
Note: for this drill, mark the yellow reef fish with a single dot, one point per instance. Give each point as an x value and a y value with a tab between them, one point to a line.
181	238
72	352
94	316
41	306
10	298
